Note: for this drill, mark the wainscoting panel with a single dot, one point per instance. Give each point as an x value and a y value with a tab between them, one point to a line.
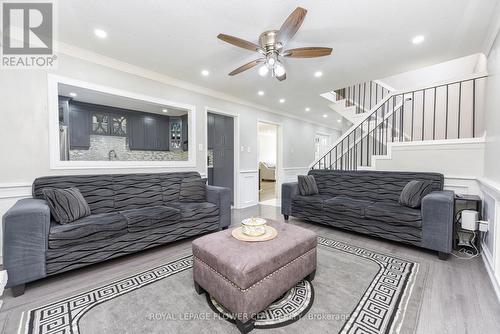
290	173
248	188
491	242
9	195
463	185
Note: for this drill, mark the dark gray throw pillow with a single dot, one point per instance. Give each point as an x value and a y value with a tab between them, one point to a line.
66	205
193	190
307	185
412	194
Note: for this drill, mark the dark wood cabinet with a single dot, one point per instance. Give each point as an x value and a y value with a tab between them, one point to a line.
185	132
144	131
148	133
79	127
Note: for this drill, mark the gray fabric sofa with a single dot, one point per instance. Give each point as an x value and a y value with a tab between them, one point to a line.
367	202
129	213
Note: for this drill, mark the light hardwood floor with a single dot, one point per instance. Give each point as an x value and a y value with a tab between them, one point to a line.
458	296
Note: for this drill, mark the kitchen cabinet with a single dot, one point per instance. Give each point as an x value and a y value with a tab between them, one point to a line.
148	133
79	127
185	139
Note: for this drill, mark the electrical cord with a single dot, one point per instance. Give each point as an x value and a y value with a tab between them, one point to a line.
469	254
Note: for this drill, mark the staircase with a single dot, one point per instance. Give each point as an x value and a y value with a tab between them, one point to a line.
354	101
445	111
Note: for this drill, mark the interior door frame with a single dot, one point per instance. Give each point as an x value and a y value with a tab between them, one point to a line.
236	130
279	153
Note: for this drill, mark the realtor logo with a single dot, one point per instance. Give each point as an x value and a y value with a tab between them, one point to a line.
27	39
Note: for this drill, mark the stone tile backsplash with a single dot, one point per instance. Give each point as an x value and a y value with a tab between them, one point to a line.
100	146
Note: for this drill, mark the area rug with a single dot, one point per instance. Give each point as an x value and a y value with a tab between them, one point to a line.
356	290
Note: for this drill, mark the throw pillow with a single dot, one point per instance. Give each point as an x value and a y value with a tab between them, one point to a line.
66	205
307	185
193	190
412	194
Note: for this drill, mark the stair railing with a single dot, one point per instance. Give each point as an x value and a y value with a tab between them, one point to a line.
363	95
442	111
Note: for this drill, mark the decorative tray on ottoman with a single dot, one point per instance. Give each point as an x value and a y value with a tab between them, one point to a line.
254	229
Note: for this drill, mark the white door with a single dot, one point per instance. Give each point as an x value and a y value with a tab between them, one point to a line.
321	145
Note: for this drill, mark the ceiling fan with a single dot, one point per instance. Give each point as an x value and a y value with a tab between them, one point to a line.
271	47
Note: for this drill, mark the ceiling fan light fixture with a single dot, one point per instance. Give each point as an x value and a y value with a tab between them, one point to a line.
263	70
279	70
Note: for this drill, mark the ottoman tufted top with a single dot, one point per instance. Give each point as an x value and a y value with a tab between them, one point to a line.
246	263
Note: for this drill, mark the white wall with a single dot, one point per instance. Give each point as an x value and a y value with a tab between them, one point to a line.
445	71
24	124
490	183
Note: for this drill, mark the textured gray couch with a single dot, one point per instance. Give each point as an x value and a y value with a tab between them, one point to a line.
129	213
367	202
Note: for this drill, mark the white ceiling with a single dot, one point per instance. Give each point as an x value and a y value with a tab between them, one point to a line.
105	99
370	38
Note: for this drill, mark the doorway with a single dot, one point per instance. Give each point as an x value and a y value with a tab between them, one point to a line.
321	142
268	162
220	151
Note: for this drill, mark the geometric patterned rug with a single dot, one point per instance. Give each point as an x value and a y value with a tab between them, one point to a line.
381	309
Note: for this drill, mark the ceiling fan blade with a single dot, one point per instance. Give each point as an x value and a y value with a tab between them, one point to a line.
239	42
281	78
307	52
247	66
291	25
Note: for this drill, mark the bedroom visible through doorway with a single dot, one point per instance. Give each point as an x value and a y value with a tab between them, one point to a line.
268	159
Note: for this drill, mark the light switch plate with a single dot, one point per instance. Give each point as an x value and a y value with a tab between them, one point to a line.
249	149
243	149
200	147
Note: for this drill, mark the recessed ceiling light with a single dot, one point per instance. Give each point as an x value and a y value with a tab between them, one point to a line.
205	73
308	109
418	39
318	74
282	100
339	120
100	33
72	94
325	115
260	92
164	110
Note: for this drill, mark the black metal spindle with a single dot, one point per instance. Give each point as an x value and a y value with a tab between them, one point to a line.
459	105
359	99
364	97
446	123
368	142
412	114
393	117
401	136
473	108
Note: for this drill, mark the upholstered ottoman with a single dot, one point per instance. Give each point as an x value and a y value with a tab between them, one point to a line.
246	277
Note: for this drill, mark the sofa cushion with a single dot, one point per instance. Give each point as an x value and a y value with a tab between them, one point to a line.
66	205
201	212
413	192
134	191
102	226
394	214
150	217
193	190
347	205
307	185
